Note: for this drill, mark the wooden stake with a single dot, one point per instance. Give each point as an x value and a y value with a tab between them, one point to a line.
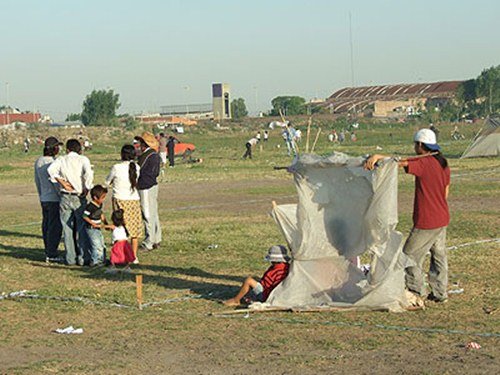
282	117
138	285
316	140
308	134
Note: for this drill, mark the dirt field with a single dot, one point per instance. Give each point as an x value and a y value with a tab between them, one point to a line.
190	276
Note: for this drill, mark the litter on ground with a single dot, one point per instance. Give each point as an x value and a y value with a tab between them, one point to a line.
69	331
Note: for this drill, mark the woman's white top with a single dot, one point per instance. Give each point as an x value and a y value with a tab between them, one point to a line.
119	234
118	177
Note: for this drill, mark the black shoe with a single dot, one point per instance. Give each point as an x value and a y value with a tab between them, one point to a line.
156	245
431	297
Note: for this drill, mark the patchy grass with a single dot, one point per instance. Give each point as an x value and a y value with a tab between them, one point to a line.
225	202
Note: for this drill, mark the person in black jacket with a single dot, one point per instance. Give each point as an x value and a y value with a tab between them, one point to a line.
147	185
171	150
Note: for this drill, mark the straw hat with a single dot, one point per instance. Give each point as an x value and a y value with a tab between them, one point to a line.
150	140
277	253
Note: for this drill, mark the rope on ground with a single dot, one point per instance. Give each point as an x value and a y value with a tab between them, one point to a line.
172	300
216	205
379	326
31	295
28	295
22	225
489	171
184	208
472	243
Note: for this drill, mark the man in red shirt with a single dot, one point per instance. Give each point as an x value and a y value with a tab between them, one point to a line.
274	275
430	216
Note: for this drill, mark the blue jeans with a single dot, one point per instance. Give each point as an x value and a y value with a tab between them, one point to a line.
75	237
51	228
97	247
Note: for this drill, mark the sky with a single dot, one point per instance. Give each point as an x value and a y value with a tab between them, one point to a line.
167	52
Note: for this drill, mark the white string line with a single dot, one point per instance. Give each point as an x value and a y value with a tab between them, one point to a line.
491	171
25	294
184	208
215	205
30	295
472	243
379	326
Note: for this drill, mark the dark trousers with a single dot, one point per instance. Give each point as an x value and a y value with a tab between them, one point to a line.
171	156
248	152
51	228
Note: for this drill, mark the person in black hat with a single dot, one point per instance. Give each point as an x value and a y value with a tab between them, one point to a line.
49	200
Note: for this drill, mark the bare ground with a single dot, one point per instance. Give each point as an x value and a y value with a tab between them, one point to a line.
160	341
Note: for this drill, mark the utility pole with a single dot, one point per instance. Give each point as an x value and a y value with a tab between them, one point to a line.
352	53
491	90
8	101
187	105
256	105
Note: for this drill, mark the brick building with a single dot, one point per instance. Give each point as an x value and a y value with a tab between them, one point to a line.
9	118
390	100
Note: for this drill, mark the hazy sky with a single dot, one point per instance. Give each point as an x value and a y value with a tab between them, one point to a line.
159	52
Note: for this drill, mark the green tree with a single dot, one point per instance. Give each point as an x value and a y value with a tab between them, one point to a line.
99	107
467	91
289	105
74	117
238	108
488	89
481	96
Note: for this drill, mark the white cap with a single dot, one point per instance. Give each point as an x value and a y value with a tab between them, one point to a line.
427	137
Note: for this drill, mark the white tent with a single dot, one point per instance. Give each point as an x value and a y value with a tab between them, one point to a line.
486	142
344	211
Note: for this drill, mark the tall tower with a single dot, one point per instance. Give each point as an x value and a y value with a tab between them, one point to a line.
221	101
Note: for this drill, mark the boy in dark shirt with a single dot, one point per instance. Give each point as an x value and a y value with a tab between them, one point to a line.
95	221
274	275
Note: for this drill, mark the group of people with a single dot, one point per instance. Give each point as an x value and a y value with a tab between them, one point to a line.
252	142
341	137
65	182
428	236
167	149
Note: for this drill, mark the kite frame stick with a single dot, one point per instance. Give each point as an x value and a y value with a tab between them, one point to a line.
315	140
308	136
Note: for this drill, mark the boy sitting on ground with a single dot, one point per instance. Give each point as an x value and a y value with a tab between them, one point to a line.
274	275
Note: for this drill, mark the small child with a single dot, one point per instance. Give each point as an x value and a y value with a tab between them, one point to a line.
121	252
95	221
274	275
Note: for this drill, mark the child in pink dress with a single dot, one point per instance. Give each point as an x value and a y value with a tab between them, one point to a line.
121	252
